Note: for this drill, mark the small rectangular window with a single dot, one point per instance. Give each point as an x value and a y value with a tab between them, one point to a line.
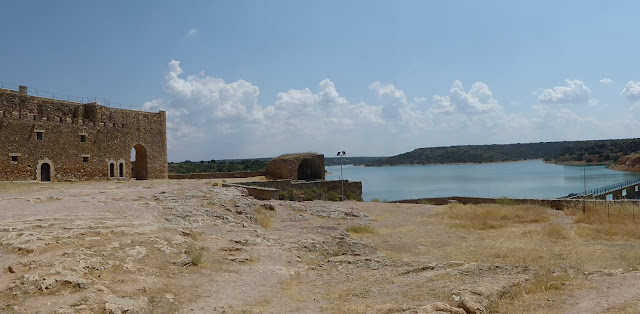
83	138
14	158
39	135
85	159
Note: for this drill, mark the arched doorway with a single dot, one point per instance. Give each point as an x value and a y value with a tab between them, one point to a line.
308	171
121	169
139	162
45	172
112	170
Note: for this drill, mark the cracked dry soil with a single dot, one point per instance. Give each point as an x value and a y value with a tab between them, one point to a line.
191	247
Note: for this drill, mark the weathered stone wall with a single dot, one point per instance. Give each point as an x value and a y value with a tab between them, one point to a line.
297	167
78	141
258	192
309	190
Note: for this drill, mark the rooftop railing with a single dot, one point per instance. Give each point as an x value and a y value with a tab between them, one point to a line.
32	91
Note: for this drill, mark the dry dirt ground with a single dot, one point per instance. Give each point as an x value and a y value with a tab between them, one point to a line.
191	246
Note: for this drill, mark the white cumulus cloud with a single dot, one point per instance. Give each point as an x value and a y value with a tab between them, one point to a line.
393	100
207	97
210	118
606	80
323	114
575	92
479	99
631	91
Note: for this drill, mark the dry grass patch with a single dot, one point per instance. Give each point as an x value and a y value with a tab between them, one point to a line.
360	229
555	231
609	232
494	216
263	217
630	260
536	292
195	255
606	220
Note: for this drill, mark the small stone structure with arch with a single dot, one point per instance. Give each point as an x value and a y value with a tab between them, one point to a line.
302	166
299	177
53	140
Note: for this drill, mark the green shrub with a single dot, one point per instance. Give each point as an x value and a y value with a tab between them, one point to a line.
312	194
195	255
506	201
333	196
352	196
283	196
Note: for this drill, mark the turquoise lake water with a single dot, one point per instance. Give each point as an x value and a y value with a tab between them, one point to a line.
522	179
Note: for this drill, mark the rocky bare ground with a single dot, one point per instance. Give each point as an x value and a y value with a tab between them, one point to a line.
192	247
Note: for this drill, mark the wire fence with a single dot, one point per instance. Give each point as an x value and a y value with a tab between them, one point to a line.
613	209
32	91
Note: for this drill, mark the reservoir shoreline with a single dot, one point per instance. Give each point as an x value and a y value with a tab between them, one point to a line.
530	179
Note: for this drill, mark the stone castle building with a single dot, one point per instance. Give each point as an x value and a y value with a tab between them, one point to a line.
53	140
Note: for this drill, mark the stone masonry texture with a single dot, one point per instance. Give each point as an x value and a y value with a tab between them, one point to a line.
42	138
305	166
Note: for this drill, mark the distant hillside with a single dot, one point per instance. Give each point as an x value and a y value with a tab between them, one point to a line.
628	163
602	151
335	161
205	166
605	151
234	165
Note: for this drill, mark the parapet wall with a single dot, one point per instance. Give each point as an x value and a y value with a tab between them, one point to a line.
74	141
311	190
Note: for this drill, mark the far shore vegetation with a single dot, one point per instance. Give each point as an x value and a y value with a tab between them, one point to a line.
207	166
568	152
258	164
600	152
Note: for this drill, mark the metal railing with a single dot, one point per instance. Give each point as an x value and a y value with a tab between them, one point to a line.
32	91
610	188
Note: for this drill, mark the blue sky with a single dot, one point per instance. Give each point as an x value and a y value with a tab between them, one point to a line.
242	79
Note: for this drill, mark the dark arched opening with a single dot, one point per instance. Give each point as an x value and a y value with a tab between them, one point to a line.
112	170
45	172
121	170
308	170
139	164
